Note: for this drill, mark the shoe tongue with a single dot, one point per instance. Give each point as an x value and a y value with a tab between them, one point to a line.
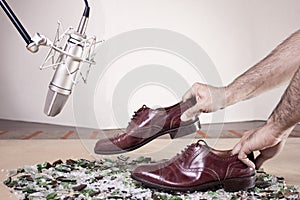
202	143
144	107
195	147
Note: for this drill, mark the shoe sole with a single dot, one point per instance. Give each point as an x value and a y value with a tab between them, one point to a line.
229	185
174	133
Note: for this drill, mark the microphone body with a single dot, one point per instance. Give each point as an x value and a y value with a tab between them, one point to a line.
64	77
68	61
65	73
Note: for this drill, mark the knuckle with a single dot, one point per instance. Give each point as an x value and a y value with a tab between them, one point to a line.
196	85
240	156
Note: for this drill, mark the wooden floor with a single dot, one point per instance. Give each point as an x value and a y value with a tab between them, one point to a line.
30	131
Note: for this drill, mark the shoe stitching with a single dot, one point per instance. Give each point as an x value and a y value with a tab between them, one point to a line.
210	172
195	154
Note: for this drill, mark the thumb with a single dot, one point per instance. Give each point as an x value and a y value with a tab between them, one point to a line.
190	113
188	94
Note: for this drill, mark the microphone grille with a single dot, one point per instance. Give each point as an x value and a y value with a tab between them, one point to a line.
54	103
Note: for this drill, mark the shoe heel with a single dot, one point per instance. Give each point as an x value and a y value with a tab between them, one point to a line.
236	184
185	130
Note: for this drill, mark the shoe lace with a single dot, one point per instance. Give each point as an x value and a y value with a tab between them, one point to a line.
132	122
137	114
186	152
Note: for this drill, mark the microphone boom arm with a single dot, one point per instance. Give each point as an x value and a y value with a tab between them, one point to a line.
68	62
32	43
38	40
13	18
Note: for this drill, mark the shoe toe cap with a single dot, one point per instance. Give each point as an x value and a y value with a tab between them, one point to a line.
105	146
148	173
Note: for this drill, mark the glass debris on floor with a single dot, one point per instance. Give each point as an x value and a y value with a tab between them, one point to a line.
110	179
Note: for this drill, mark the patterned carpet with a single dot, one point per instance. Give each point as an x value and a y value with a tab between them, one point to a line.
30	130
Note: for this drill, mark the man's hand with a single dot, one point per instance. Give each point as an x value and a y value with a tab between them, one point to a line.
266	139
209	99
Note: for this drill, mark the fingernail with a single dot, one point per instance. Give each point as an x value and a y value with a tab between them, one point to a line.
184	118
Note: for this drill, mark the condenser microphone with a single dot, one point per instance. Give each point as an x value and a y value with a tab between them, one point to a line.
68	62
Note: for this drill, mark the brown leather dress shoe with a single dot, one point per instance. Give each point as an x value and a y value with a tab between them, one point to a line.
148	124
198	167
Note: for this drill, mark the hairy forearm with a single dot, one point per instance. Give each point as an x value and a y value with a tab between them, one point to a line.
278	67
287	112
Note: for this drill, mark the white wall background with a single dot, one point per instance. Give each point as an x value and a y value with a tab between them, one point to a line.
235	34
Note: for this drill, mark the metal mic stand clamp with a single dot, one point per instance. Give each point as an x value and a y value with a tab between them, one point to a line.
37	41
76	49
